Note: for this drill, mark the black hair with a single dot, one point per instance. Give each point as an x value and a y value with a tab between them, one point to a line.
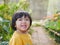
19	15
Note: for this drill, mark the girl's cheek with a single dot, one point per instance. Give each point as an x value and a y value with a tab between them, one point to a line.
28	22
18	23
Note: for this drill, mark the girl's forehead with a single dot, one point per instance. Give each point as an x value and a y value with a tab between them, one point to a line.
24	17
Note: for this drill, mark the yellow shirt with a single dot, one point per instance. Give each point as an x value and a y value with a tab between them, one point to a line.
20	39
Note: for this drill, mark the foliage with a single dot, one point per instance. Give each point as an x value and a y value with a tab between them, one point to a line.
55	37
54	24
31	31
4	43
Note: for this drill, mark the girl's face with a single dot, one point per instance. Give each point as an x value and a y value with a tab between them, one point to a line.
22	24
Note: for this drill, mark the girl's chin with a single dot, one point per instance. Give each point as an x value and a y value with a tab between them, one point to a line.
24	31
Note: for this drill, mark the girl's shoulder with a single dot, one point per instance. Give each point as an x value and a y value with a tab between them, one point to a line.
15	35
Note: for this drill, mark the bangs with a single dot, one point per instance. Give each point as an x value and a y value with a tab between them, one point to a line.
22	14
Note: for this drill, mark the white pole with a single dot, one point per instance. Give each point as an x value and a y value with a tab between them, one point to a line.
52	7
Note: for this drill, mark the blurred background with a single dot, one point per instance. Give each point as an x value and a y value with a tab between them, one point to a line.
45	29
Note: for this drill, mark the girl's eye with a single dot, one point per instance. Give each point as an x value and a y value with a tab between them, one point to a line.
27	19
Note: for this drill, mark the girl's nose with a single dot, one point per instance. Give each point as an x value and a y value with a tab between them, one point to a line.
24	20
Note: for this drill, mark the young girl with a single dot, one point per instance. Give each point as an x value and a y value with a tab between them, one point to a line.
21	22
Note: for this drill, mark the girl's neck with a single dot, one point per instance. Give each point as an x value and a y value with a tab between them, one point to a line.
22	32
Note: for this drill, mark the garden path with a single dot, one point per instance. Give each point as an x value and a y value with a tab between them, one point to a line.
41	37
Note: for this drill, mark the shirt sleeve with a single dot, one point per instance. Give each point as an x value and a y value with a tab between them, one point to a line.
15	41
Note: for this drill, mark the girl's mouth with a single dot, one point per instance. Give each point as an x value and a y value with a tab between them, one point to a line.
23	26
